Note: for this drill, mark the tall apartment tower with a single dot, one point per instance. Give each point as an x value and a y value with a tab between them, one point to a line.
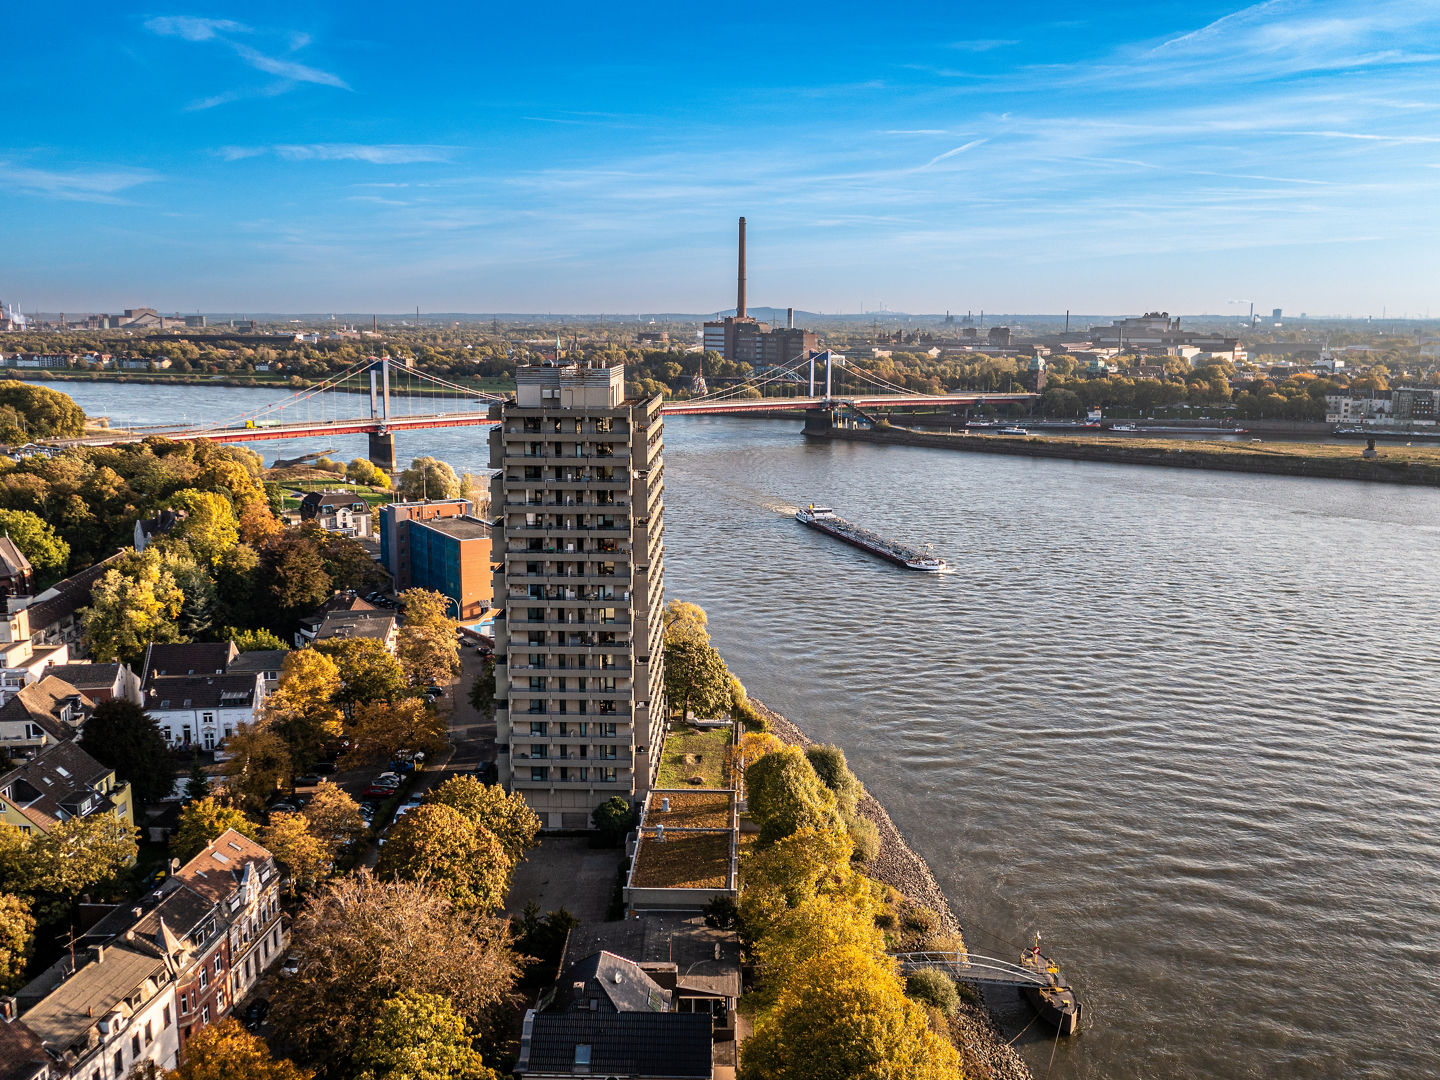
579	669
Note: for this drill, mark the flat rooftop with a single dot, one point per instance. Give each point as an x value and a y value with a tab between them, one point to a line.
462	528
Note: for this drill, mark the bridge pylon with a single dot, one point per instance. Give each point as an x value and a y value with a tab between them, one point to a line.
382	451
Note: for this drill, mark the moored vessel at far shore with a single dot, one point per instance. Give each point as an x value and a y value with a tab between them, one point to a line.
827	521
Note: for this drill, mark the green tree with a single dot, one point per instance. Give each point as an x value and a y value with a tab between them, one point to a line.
419	1037
427	478
76	856
362	471
226	1051
44	413
505	814
686	620
253	640
368	672
201	821
613	819
134	603
197	785
361	940
294	574
207	523
696	678
17	941
834	772
126	738
47	551
785	795
436	845
428	608
932	987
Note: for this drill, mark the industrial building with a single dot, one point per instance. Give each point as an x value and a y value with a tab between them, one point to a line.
741	339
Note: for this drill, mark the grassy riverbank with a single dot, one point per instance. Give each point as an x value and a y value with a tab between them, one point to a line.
1417	465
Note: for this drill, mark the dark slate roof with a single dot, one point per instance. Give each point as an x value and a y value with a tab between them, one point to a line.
671	1045
615	982
195	658
260	660
55	784
13	562
21	1055
64	598
685	942
356	624
86	677
200	691
41	703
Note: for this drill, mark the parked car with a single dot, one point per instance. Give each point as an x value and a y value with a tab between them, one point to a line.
367	811
488	773
433	689
254	1014
326	768
283	807
309	780
291	966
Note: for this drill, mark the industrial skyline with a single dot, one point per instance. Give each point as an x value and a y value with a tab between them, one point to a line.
1020	159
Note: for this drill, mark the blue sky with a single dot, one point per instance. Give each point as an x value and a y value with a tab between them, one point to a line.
1023	157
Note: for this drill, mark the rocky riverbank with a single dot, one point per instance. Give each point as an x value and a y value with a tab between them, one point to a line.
986	1053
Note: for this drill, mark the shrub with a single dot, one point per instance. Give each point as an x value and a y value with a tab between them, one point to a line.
934	988
865	836
834	772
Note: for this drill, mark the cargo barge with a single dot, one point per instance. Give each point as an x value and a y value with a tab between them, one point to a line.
827	521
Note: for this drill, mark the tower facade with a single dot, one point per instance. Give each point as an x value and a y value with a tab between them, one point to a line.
579	668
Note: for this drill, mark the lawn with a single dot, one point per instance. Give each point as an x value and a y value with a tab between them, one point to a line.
683	861
694	758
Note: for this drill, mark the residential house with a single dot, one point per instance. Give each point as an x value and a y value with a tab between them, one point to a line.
116	1011
54	613
341	512
17	576
59	783
379	625
23	662
162	524
42	714
344	601
194	697
100	682
268	662
607	1017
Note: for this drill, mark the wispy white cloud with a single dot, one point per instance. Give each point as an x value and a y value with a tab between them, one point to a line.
291	72
952	153
385	154
194	28
980	45
99	185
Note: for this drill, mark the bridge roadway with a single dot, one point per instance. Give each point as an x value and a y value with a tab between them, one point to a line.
371	425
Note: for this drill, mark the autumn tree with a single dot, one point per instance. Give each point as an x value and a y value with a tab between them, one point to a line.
77	855
254	640
368	672
207	523
428	655
17	940
842	1015
834	772
202	821
419	1036
38	541
294	576
685	620
303	855
437	845
786	796
696	678
426	607
361	941
378	729
505	814
136	602
39	412
226	1051
334	817
302	708
364	471
260	761
125	737
427	478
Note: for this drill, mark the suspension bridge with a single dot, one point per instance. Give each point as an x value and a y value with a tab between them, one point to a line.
402	398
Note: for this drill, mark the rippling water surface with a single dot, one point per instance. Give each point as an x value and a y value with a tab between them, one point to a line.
1186	724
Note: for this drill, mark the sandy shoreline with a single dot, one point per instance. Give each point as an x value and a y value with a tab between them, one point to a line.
984	1049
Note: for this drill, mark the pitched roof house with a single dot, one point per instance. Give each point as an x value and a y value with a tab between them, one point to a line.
194	696
59	783
43	713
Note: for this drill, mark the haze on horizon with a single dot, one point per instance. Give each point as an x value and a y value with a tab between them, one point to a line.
1035	157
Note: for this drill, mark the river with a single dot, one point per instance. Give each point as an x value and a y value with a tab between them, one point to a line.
1185	724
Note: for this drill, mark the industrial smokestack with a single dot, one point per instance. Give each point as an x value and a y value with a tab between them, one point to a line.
740	281
790	318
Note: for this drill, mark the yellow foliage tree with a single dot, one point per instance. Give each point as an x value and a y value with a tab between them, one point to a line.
302	710
226	1051
304	855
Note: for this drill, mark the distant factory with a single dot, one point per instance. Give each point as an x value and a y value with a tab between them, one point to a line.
741	339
